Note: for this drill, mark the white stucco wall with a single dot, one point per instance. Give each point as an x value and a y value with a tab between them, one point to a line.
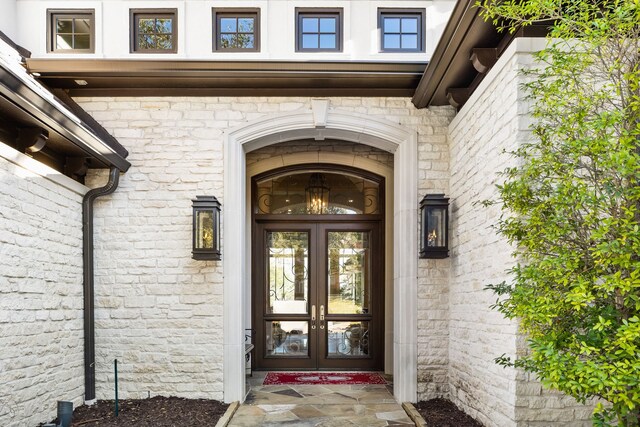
195	30
41	327
494	119
158	311
8	15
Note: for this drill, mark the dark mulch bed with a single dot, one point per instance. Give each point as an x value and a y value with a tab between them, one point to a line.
157	411
442	413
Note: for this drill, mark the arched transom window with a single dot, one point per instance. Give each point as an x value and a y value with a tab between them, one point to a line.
317	192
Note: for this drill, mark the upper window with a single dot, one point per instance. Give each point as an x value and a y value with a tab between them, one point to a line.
70	31
401	30
154	31
318	30
236	30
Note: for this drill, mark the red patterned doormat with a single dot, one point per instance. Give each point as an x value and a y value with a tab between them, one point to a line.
310	378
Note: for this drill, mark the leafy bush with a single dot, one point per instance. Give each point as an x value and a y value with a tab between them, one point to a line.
571	208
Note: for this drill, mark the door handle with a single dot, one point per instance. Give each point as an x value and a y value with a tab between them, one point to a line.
322	317
313	316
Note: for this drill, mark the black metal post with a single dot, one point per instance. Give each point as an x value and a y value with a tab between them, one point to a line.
115	370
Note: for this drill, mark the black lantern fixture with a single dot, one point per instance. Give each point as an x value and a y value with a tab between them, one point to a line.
317	194
206	228
434	222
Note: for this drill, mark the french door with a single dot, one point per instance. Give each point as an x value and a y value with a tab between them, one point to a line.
318	295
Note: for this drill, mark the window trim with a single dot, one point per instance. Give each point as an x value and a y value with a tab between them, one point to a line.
392	12
319	12
235	12
136	14
52	14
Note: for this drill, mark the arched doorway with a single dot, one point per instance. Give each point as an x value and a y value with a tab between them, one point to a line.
318	268
320	122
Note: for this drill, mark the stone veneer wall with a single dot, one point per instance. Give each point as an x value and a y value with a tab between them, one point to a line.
41	327
160	312
493	120
433	274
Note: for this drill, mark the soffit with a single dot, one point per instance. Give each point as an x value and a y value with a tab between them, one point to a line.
233	78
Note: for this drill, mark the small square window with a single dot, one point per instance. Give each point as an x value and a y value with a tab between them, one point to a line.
401	30
154	31
319	30
70	31
236	30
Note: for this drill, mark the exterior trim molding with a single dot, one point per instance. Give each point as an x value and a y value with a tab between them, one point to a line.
340	125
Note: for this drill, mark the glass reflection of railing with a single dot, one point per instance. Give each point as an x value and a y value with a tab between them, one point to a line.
351	342
290	343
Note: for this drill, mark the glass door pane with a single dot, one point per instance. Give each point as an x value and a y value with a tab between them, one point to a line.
349	272
348	339
287	338
287	272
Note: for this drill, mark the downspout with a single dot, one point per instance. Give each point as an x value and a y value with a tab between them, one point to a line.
88	282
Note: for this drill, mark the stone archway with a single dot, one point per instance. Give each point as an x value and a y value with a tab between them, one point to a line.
321	122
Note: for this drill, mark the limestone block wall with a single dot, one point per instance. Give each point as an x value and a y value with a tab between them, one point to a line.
487	125
41	326
433	274
494	120
160	312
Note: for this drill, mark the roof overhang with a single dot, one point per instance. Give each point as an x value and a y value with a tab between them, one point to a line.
233	78
52	129
29	108
467	50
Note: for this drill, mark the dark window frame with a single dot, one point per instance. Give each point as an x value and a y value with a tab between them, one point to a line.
53	14
136	14
222	12
402	13
317	12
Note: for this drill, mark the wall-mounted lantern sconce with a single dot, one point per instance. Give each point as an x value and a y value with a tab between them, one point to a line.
434	226
206	228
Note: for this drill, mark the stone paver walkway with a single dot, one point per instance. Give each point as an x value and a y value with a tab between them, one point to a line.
319	406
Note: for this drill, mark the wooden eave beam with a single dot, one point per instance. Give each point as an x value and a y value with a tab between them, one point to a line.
467	50
458	96
483	58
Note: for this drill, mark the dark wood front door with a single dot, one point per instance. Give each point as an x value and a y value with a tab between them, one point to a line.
318	294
